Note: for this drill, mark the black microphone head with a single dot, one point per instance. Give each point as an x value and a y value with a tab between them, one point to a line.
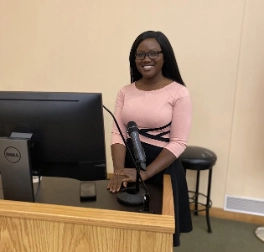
131	126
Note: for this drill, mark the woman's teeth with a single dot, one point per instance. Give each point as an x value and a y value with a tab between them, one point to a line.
147	67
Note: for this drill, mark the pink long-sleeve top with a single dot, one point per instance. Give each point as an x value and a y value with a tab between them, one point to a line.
154	109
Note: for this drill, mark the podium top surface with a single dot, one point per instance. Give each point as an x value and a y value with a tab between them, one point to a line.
66	192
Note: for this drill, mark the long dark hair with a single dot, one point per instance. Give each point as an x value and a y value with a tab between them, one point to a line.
170	67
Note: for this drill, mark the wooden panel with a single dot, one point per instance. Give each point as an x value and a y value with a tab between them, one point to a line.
38	235
88	216
167	200
41	227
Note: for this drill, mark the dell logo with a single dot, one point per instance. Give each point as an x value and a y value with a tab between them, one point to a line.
12	154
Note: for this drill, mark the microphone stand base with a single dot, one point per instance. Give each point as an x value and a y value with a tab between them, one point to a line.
131	197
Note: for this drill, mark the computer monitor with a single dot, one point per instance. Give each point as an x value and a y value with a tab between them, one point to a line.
67	131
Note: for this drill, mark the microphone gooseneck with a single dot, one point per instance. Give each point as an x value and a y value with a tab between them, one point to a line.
134	196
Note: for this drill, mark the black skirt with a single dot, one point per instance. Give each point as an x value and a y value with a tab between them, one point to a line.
183	221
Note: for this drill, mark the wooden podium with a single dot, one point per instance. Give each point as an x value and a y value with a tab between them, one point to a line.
45	227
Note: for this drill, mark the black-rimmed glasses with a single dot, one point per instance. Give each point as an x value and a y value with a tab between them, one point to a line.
151	55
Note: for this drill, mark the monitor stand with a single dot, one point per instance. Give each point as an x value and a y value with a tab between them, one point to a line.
15	168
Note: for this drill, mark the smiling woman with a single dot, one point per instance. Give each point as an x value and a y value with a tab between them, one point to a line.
149	62
160	105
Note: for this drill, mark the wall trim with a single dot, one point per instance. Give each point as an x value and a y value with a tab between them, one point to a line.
222	214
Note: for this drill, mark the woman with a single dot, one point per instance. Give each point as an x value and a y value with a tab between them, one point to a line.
159	103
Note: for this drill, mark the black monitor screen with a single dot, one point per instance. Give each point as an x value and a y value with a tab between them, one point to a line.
68	131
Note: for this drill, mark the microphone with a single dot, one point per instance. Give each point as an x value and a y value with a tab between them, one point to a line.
132	131
134	196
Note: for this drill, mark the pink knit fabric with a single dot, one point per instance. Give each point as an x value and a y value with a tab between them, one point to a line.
153	109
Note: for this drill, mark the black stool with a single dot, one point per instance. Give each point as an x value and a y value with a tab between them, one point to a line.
198	159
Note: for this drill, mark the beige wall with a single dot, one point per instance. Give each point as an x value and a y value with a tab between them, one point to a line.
83	46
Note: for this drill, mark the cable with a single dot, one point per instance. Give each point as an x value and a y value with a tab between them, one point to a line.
137	168
37	192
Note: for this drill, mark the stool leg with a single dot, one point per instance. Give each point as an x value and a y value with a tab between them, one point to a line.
208	201
196	193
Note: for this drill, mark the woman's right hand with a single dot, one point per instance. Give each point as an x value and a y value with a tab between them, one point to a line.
118	152
116	183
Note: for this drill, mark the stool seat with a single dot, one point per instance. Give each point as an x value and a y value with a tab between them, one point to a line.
198	159
195	157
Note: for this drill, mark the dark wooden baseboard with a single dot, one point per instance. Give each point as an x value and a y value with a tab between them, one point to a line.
221	213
